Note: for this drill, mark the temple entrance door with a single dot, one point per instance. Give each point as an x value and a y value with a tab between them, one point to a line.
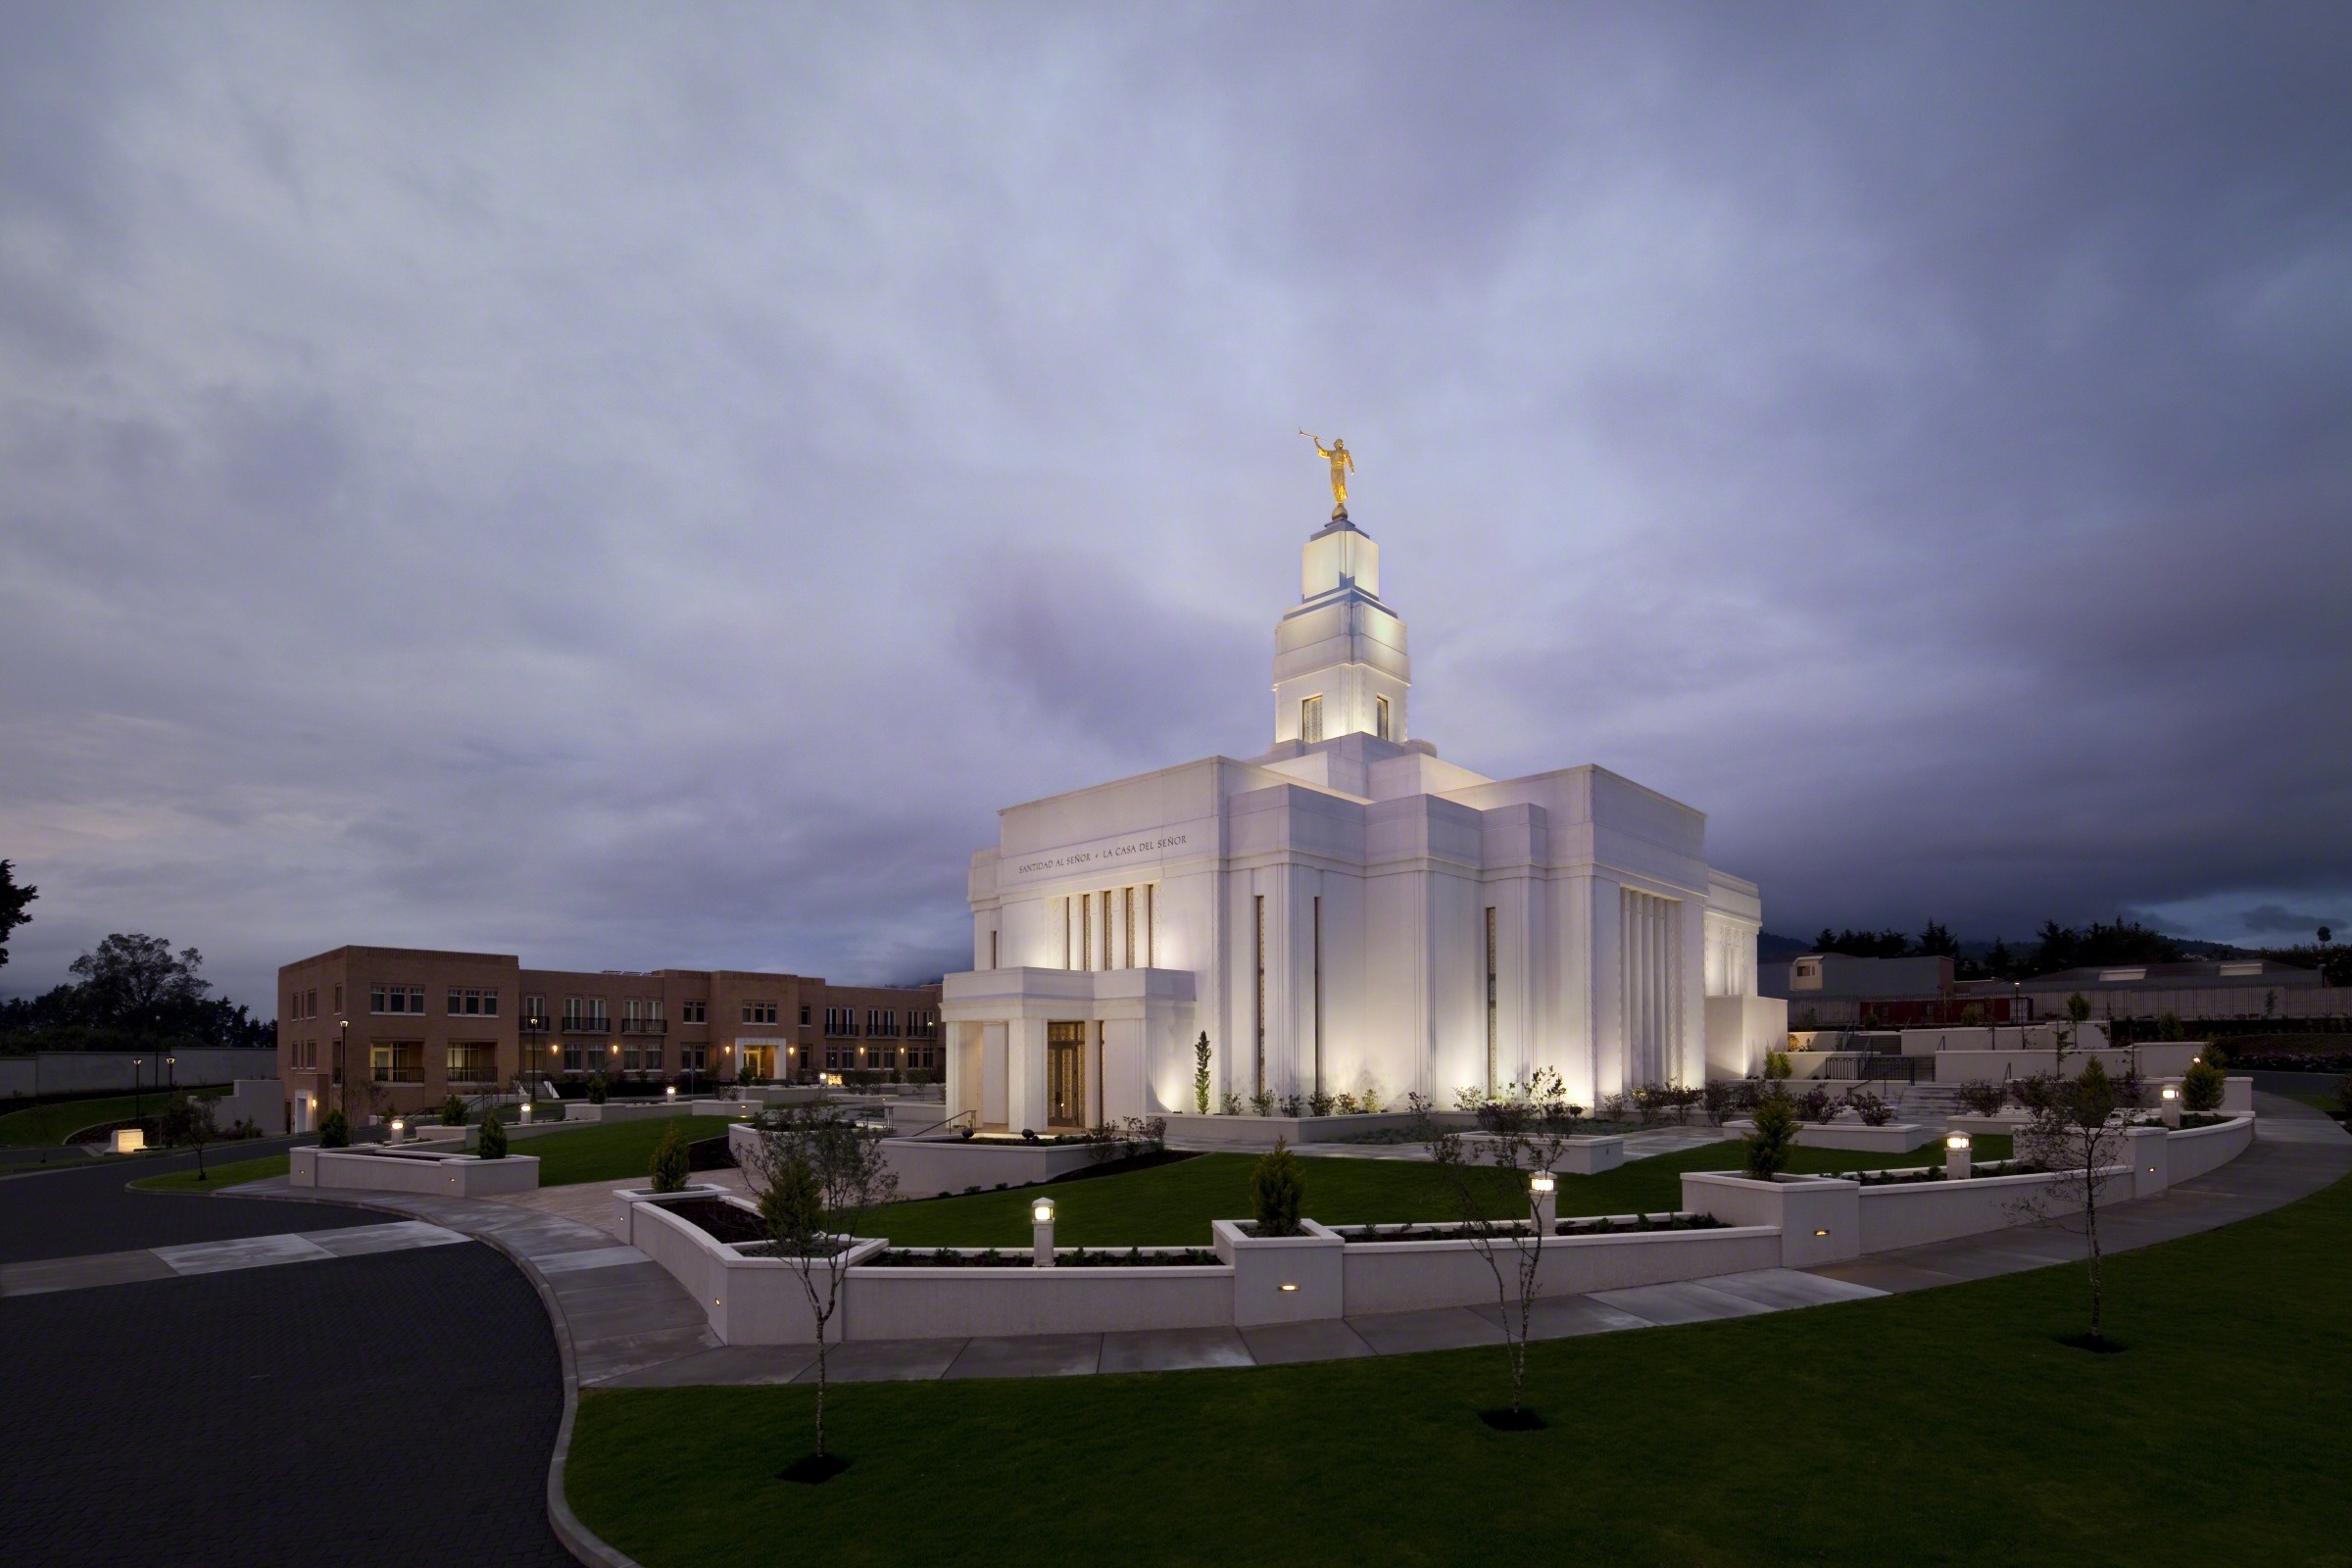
1065	1075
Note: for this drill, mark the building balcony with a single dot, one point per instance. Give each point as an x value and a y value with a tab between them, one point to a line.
537	1024
644	1026
587	1024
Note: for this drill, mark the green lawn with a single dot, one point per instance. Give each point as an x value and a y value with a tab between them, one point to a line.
1171	1205
221	1174
1944	1427
600	1153
54	1123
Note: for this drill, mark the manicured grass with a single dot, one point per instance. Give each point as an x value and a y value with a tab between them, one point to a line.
1171	1205
1943	1427
2332	1104
600	1153
227	1174
54	1123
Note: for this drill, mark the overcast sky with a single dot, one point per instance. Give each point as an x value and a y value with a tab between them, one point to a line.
642	485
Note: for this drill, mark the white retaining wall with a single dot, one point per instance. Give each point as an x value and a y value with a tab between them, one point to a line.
66	1072
442	1175
1412	1276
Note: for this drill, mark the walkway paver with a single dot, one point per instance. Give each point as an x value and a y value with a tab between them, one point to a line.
217	1257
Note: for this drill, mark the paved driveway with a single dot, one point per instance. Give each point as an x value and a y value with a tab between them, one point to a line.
394	1408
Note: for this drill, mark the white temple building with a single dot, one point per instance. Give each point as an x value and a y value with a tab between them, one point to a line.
1347	911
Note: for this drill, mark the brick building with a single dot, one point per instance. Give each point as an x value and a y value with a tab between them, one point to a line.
420	1025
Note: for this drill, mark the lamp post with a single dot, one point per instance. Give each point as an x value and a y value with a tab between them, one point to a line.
1543	1197
1040	1232
343	1066
172	1068
138	1089
1958	1161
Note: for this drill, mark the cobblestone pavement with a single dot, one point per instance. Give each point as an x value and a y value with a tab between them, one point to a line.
391	1408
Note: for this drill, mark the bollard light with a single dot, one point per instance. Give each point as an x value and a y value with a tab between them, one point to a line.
398	1127
1958	1161
1040	1232
1542	1182
671	1091
2171	1107
1540	1199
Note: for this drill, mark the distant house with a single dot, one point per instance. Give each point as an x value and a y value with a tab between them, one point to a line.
1841	977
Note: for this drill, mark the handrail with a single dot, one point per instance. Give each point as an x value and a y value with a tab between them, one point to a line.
950	1122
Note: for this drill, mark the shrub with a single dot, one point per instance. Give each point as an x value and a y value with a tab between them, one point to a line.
670	1161
1318	1103
1776	1065
453	1112
492	1144
596	1088
1815	1104
1276	1187
1369	1095
1200	1074
1345	1104
1261	1103
334	1132
2214	1053
1292	1105
1769	1146
2168	1026
2201	1087
1230	1105
1717	1099
1872	1109
1979	1097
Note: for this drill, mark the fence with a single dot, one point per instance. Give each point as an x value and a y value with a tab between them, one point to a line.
63	1072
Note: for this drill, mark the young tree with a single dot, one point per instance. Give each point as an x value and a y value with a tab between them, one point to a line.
1277	1189
187	1119
1200	1074
1526	1130
1768	1147
2077	1136
671	1163
14	898
820	1177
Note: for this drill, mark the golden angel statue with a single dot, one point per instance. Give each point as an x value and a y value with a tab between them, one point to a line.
1342	464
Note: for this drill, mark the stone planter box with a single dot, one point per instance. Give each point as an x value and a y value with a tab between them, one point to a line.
1895	1138
443	1175
1580	1156
940	1167
1259	1132
1284	1279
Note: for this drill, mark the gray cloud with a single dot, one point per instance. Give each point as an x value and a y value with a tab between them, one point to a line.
636	489
2272	919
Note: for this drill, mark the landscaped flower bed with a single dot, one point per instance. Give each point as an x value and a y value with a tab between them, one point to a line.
1936	1173
1601	1225
1078	1257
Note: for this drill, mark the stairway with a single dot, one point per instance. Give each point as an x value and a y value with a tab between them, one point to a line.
1929	1105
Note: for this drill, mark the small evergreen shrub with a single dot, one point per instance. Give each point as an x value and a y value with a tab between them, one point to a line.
335	1131
1776	1065
670	1160
1200	1073
2201	1087
596	1090
492	1144
1276	1187
1771	1145
453	1112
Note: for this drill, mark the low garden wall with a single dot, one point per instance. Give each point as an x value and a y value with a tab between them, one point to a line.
442	1175
1259	1132
939	1167
1824	1219
1894	1138
1413	1276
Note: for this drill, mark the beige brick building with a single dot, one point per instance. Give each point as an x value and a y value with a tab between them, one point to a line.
404	1028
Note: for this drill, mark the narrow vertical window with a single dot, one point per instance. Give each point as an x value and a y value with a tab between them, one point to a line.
1127	928
1086	929
1490	998
1310	719
1108	931
1380	718
1151	958
1318	994
991	949
1260	906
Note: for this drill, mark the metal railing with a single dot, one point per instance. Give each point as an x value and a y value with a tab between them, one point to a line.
587	1023
644	1026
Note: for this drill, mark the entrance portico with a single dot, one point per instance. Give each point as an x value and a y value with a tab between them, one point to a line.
1060	1049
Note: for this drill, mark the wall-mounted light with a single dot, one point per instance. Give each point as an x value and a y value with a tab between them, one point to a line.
1821	1232
1290	1286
